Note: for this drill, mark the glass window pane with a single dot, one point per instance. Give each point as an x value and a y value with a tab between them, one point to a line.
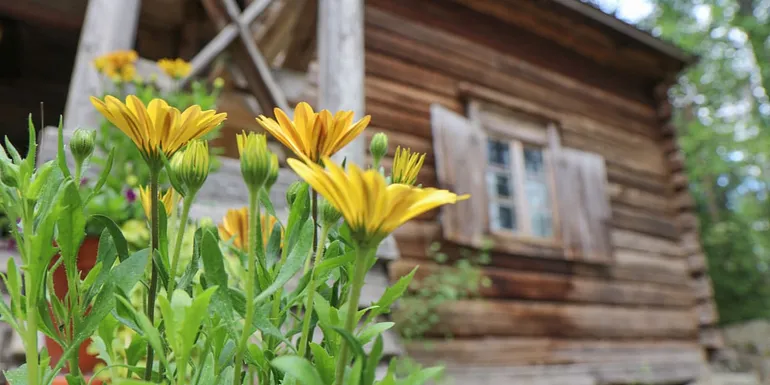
533	160
502	217
499	152
542	224
537	194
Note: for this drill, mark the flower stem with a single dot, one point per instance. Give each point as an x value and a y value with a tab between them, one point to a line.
178	243
254	215
311	292
154	235
361	264
33	364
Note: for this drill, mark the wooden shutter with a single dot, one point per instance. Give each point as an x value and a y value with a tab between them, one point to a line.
583	204
460	148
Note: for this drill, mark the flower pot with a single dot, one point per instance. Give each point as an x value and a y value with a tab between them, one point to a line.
86	261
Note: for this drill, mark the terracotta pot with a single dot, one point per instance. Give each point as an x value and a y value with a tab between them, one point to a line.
86	262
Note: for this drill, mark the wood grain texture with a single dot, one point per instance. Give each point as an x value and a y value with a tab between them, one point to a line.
476	318
537	286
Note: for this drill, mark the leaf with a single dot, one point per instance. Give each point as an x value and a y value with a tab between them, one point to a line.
226	377
213	265
423	376
299	368
324	363
61	158
264	198
161	258
194	316
370	367
273	249
132	382
12	151
193	266
373	331
17	376
328	265
355	346
32	142
206	374
126	274
103	175
121	246
150	332
298	214
391	294
294	261
71	227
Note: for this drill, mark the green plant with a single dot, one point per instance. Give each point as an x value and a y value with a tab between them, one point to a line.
153	325
459	280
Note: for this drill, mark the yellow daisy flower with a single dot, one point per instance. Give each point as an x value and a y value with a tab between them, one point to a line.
157	126
406	166
371	208
313	135
168	199
175	68
235	226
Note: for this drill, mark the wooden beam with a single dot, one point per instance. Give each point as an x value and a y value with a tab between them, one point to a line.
341	64
109	25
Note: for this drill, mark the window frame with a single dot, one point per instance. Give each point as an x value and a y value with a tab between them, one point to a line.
519	131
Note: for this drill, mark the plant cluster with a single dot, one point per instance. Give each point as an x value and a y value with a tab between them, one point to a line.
201	319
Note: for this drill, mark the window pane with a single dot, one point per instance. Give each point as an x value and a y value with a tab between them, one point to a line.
542	224
499	184
533	160
539	205
499	153
502	216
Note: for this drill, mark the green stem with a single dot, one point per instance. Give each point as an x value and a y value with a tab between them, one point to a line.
311	292
181	370
178	243
31	285
361	264
254	214
78	171
154	237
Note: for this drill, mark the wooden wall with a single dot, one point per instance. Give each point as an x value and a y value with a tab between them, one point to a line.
546	310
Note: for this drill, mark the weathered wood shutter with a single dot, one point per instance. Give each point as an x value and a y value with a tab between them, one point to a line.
460	148
583	204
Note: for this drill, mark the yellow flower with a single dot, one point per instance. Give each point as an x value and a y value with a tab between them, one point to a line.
117	64
406	166
168	199
175	68
371	208
313	135
235	227
128	73
157	126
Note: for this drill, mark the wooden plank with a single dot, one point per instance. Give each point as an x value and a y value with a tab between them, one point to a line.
638	198
643	242
640	180
510	351
537	286
634	220
471	318
407	99
707	313
702	287
64	14
302	47
697	263
341	64
652	263
389	67
386	117
108	26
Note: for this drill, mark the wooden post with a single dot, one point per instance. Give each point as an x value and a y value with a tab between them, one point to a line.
109	25
341	64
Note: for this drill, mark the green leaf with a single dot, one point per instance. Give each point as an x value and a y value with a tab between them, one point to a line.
161	258
299	368
132	382
61	158
206	375
264	198
194	316
193	266
423	376
213	265
324	363
17	376
71	227
355	346
370	367
12	151
126	274
226	377
150	332
121	246
273	249
391	294
328	265
42	177
102	177
14	281
373	331
294	261
298	214
32	142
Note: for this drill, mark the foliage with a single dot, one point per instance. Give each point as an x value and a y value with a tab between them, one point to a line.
461	280
723	115
166	314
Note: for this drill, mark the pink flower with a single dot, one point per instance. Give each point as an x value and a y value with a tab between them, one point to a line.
130	195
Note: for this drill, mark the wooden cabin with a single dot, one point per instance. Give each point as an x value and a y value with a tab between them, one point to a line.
552	114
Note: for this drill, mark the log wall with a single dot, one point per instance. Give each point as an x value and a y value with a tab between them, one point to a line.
539	308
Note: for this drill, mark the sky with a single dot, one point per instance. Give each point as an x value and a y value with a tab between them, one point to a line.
628	10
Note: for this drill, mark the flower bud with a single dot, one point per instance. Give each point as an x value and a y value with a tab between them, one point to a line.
255	159
219	82
378	146
272	176
193	167
82	144
9	174
329	214
292	191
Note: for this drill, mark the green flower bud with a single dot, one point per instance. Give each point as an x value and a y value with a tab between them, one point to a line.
255	159
219	82
292	191
82	144
329	214
193	165
273	175
9	174
378	147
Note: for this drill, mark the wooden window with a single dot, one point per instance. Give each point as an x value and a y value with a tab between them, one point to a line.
528	194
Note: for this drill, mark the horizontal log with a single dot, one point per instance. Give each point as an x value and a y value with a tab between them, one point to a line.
390	118
508	284
644	161
651	183
643	242
508	351
689	242
702	287
651	262
638	198
697	263
687	221
683	201
471	318
634	220
389	67
679	181
407	98
707	313
676	161
711	337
